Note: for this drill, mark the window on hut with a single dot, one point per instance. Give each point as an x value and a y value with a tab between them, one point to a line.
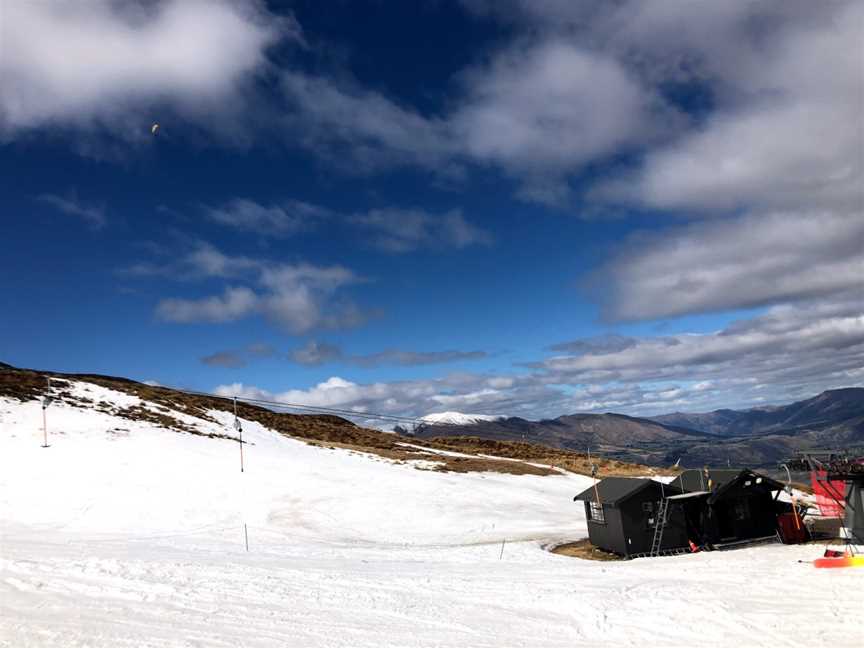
596	512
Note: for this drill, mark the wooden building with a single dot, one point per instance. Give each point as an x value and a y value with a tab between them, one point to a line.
622	516
718	508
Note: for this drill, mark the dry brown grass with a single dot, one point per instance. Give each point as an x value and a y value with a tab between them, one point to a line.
585	550
443	463
568	460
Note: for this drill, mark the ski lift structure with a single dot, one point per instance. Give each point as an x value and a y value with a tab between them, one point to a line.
838	485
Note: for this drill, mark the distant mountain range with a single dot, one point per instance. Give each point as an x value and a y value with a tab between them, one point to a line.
756	437
828	409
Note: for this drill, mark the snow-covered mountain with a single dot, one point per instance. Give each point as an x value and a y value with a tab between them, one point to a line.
130	530
458	418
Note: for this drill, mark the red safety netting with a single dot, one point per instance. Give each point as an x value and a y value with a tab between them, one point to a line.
829	494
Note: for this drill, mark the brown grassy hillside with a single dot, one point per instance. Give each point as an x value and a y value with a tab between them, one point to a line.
318	429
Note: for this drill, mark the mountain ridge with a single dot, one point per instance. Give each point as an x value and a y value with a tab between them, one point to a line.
833	419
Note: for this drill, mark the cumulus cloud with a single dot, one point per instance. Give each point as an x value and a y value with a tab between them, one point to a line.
235	303
297	297
109	63
781	95
318	353
541	111
747	261
809	345
405	230
790	135
537	110
93	215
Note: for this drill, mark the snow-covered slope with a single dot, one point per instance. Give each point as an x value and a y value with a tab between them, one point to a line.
122	533
458	418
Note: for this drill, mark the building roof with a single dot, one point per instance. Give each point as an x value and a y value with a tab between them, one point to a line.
613	490
694	479
748	479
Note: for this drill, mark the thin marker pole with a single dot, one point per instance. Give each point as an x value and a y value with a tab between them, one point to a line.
501	555
246	535
45	401
239	429
594	477
44	426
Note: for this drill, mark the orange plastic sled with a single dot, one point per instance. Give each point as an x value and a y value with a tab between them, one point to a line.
843	561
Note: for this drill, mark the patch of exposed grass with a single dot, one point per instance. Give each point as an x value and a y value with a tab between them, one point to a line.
568	460
585	550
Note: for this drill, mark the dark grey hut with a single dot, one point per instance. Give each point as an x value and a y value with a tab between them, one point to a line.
622	515
735	506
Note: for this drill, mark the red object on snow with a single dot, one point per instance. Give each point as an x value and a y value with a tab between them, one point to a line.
693	547
791	529
829	494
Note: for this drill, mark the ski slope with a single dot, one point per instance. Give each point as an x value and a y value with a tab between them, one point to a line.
125	534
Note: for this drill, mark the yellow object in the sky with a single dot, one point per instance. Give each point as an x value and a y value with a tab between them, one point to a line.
154	128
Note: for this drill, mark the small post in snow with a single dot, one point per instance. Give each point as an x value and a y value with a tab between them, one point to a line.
501	555
46	401
239	428
246	535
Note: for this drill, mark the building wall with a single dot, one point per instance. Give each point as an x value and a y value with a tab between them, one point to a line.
607	536
639	523
741	514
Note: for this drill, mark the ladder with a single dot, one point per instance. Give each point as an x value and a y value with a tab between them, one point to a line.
659	525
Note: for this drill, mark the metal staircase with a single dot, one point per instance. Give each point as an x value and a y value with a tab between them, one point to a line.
659	526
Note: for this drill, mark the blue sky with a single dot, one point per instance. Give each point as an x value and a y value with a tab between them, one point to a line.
526	208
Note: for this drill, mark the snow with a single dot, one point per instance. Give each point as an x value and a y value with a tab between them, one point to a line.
125	534
458	418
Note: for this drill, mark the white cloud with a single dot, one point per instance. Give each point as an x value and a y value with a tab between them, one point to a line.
110	63
297	297
792	138
752	260
790	345
539	111
549	108
234	304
